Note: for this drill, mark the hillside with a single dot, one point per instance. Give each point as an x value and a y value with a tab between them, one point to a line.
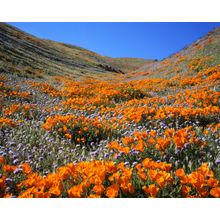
25	54
199	56
129	64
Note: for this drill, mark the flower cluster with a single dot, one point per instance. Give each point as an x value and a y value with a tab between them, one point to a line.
97	179
154	137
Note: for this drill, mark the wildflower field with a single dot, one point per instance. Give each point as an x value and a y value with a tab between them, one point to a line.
152	137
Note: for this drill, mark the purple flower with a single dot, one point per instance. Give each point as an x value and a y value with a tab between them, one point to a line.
107	155
40	158
8	181
15	162
18	170
186	145
8	189
134	163
217	162
126	163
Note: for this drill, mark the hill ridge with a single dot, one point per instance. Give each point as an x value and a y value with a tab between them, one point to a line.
27	55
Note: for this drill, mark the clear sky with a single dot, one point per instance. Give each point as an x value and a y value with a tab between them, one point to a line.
142	40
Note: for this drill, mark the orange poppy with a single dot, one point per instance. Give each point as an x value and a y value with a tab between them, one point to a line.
215	192
152	190
112	191
180	173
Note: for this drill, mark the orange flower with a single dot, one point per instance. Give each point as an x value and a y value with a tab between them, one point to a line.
127	187
110	167
180	138
130	188
27	193
75	191
2	183
95	180
68	136
152	190
166	166
140	146
152	133
127	140
153	174
114	177
8	168
26	168
112	191
98	189
185	190
93	196
162	143
215	192
142	174
212	182
206	132
8	196
83	139
55	190
169	132
161	181
2	160
151	141
204	170
180	173
147	163
39	193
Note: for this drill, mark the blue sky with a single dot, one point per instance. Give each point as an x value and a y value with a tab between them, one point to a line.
142	40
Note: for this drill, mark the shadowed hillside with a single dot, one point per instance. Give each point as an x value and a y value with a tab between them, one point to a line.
27	55
129	64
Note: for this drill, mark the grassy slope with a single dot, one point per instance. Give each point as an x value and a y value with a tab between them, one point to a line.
28	55
205	53
25	54
128	64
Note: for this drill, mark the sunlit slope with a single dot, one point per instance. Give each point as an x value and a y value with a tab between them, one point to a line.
199	56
